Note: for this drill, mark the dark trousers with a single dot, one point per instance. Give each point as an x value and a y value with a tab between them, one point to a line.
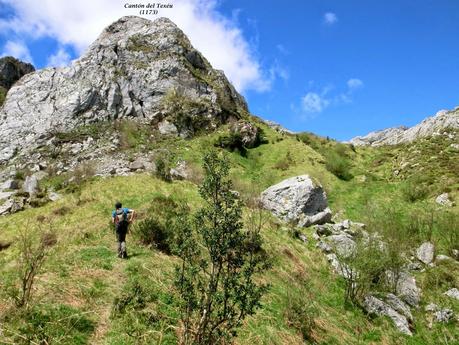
121	231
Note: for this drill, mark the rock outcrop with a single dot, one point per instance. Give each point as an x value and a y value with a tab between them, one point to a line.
434	125
298	200
137	69
11	70
376	306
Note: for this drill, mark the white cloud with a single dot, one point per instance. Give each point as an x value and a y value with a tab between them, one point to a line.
60	59
354	83
78	23
18	50
330	18
314	103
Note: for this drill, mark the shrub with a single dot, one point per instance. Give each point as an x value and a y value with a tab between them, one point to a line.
187	114
151	232
338	165
157	230
163	169
232	142
215	278
34	246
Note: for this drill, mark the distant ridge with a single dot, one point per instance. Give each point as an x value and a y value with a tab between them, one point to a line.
430	126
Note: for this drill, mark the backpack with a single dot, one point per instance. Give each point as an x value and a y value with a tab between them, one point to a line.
121	217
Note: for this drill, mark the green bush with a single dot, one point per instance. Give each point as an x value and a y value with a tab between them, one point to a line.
162	169
157	229
151	232
338	164
232	142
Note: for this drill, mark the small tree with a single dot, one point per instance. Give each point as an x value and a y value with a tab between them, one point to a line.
34	246
219	259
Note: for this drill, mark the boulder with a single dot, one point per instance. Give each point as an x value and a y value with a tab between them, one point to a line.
180	172
443	315
375	306
453	293
431	307
399	306
167	128
139	164
441	258
5	195
407	289
425	253
342	269
297	199
6	207
321	217
31	185
9	184
248	132
342	244
53	196
12	206
443	199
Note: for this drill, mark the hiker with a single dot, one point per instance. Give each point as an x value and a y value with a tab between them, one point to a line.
122	217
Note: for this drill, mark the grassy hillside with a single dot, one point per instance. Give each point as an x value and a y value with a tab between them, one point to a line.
85	295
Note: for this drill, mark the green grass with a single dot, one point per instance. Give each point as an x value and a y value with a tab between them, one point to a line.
112	301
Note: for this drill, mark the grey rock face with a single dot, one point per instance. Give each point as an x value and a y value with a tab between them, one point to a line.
453	293
443	199
430	126
425	252
126	73
297	199
375	306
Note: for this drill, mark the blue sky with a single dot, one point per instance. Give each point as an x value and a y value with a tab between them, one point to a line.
335	68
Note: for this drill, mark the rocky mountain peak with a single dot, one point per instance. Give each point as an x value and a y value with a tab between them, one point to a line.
430	126
137	68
